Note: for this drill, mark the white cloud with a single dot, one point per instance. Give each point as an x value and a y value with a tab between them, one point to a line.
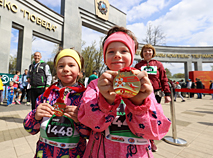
145	9
89	36
128	4
139	30
186	20
44	47
207	66
13	52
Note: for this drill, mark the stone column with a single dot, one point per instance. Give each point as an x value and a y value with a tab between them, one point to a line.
5	34
24	49
198	65
187	68
72	24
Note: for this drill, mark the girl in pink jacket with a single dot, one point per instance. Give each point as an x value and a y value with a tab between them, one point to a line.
121	127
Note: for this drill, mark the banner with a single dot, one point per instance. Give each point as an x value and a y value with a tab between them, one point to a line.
6	78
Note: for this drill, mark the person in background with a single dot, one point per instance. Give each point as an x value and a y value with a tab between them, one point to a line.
192	87
189	85
173	87
199	85
93	76
24	83
1	90
183	85
211	87
39	76
10	94
156	72
16	88
203	88
157	76
178	93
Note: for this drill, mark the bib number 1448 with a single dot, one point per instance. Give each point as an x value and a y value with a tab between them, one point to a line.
59	130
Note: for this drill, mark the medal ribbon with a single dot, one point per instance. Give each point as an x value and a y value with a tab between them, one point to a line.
127	69
61	91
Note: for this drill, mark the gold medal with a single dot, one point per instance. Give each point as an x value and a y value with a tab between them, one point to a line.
126	84
59	108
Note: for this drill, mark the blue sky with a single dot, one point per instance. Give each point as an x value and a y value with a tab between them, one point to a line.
184	22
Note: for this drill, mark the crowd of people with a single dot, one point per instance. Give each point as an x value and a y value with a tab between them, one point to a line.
66	113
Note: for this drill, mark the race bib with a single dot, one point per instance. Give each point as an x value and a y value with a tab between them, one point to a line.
119	130
59	131
150	69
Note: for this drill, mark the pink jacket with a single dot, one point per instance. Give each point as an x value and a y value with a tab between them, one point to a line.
145	121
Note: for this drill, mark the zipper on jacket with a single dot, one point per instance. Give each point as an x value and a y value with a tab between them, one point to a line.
147	150
92	147
42	79
147	63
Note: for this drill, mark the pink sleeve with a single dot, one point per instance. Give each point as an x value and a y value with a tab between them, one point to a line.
94	111
30	123
147	120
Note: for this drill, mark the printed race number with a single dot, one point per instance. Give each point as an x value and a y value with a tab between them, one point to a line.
59	131
117	121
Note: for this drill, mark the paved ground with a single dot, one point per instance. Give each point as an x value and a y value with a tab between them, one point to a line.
194	123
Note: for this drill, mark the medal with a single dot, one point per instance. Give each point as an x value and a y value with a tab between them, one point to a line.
59	108
126	84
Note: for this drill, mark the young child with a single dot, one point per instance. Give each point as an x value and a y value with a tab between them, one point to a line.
178	93
10	94
16	88
56	109
121	127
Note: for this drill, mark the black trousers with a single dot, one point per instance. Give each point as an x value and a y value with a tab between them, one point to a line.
35	92
158	98
27	92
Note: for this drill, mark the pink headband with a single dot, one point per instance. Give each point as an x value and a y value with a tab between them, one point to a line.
120	37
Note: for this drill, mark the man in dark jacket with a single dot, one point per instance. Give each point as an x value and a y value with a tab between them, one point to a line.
211	87
39	76
199	85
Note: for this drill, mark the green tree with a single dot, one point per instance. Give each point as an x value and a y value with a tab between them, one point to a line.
52	68
93	59
12	64
50	61
168	73
179	75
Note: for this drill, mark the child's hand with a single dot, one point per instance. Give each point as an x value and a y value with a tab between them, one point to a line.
146	87
44	110
105	85
72	112
11	87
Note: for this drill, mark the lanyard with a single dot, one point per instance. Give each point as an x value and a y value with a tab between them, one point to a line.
61	91
128	69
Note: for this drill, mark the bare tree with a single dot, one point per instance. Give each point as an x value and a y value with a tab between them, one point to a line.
154	35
